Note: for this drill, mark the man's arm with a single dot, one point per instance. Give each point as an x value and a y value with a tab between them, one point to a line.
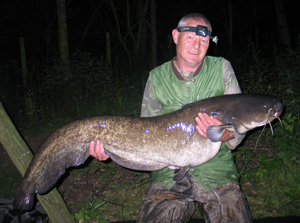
231	87
150	107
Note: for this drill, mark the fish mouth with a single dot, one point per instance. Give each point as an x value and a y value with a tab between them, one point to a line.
275	112
278	110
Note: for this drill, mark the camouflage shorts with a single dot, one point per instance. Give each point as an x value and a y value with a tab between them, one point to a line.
226	203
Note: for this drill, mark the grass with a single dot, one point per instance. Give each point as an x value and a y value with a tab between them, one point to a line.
271	190
117	197
278	191
9	180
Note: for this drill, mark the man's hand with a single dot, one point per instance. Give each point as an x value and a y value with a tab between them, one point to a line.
203	121
98	151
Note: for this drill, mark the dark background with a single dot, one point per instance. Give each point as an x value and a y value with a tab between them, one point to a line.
36	20
49	92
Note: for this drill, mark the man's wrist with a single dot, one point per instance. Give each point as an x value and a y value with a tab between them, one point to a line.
227	135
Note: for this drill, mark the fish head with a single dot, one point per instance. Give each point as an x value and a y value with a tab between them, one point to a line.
254	111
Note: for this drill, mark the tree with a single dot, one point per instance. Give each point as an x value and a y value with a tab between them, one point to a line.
130	23
282	23
62	30
153	34
230	26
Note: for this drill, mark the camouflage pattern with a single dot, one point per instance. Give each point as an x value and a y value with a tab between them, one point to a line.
223	204
150	107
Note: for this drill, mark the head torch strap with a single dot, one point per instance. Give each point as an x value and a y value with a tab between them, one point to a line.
199	30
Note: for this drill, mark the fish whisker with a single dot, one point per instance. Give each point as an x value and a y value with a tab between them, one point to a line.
271	128
259	137
268	122
280	121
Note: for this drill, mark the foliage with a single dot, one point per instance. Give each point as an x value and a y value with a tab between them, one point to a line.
276	74
281	190
83	78
86	86
116	196
271	179
86	214
287	138
271	186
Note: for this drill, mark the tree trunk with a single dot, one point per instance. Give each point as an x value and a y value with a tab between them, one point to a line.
255	23
143	26
21	156
153	34
119	30
282	23
230	26
62	30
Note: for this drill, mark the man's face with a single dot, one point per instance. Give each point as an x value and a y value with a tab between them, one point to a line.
191	48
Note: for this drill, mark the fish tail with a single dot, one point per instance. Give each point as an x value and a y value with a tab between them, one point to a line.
23	200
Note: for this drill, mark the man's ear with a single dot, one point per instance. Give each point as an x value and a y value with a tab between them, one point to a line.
175	35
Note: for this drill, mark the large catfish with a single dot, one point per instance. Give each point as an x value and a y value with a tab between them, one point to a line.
146	144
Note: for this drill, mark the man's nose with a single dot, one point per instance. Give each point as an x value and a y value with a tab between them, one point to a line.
197	43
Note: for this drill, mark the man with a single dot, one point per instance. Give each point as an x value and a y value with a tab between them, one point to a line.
189	77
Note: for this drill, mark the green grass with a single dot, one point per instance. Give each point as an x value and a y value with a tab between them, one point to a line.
10	178
271	186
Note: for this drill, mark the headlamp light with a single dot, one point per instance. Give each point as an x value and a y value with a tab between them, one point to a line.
199	30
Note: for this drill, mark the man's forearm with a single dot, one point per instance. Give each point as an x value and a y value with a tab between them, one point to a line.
227	135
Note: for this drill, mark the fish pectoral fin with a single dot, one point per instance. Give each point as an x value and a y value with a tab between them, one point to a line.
215	132
182	171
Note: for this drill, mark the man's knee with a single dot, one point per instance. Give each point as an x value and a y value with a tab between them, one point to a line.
161	205
228	205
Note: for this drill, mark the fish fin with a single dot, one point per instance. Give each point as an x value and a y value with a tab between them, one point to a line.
40	177
23	200
215	132
72	157
182	171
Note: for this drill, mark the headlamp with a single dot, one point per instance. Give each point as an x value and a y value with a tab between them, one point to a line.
199	30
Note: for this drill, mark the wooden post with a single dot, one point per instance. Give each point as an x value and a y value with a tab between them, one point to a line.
21	156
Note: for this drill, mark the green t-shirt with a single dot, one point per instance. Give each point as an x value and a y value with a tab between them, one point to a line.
172	92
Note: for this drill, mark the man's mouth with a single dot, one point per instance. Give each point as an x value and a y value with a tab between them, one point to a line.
195	53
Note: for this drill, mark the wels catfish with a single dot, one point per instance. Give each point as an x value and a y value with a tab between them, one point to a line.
145	144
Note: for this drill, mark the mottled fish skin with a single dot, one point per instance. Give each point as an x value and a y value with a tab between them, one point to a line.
146	144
